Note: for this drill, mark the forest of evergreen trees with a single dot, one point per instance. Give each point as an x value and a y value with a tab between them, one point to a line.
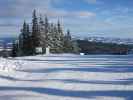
88	47
42	34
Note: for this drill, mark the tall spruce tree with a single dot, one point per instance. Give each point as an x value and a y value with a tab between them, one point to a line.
50	42
35	32
42	34
25	41
55	42
47	33
76	48
14	49
68	45
59	27
60	36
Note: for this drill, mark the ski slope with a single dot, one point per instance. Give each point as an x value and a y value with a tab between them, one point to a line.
67	77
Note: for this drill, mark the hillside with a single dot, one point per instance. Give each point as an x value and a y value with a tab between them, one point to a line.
92	47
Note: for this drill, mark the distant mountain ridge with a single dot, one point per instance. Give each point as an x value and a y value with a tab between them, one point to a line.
127	41
7	39
6	46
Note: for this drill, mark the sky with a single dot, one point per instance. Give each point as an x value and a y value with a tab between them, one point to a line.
84	18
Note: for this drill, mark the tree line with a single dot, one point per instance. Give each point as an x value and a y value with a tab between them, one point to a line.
42	34
88	47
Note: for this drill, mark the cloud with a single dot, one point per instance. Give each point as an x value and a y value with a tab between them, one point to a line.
79	20
91	1
94	1
13	12
21	8
64	13
84	14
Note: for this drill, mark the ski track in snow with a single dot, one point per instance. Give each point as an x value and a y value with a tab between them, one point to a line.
67	77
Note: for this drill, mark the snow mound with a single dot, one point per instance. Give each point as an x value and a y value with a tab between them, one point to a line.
8	65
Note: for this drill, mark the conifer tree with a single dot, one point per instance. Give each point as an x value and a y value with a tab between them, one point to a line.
25	41
68	46
28	41
76	48
14	49
50	39
42	34
46	30
60	36
35	32
24	36
59	27
54	41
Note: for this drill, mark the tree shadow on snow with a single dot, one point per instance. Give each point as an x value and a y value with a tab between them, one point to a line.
69	93
115	82
126	69
8	78
14	97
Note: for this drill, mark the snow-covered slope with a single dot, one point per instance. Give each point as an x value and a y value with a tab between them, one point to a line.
68	77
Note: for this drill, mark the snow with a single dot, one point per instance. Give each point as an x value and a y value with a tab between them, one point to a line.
67	77
8	65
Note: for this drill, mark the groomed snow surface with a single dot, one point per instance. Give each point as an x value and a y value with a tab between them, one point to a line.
67	77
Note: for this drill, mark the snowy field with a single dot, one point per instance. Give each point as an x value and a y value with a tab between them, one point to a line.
67	77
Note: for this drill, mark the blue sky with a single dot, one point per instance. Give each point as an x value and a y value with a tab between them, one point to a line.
109	18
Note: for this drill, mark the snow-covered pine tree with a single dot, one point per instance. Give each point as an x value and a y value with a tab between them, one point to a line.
35	32
28	41
76	48
51	37
20	45
60	36
55	39
14	49
46	31
42	34
68	45
22	39
25	41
